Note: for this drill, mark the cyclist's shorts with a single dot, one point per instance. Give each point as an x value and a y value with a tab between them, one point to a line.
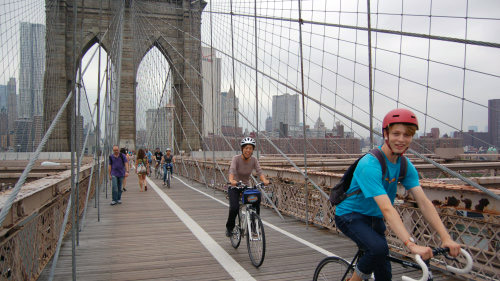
251	196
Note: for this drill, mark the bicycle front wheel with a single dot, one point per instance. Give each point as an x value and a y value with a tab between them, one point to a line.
333	268
236	236
256	240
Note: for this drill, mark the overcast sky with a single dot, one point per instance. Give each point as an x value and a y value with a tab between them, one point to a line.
331	65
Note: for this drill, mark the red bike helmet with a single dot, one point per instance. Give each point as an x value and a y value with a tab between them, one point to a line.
399	115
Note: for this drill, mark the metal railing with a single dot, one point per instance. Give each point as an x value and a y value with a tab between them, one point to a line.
479	235
28	245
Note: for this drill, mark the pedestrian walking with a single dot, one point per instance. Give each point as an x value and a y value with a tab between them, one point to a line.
142	168
118	170
124	151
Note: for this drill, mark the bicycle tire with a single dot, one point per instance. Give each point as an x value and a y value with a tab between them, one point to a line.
333	268
236	237
168	178
256	240
157	173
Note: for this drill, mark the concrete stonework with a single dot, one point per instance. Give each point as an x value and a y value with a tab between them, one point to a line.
176	34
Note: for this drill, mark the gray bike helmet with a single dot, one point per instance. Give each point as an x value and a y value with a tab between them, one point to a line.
246	141
168	149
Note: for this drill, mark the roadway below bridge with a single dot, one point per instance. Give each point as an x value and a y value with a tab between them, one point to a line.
178	234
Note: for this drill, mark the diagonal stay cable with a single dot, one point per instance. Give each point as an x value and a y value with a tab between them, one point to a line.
8	204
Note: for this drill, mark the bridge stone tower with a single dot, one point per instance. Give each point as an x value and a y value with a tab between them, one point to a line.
176	34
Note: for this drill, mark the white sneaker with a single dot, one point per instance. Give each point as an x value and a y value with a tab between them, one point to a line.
112	203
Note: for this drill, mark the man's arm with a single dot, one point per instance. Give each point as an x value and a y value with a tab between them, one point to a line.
431	215
126	169
109	170
396	224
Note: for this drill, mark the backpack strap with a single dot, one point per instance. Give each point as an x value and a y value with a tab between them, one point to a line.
381	159
402	171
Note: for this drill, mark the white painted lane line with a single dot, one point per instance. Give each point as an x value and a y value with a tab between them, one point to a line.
230	265
282	231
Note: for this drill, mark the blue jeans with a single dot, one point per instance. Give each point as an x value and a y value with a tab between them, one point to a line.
368	233
169	167
116	191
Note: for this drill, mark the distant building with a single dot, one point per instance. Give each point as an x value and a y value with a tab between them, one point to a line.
269	124
160	132
3	125
429	145
292	145
37	131
338	130
11	104
285	111
473	139
31	69
141	139
494	121
473	128
435	133
24	137
211	87
3	97
229	113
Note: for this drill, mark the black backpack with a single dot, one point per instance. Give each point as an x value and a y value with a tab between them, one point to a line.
338	192
121	156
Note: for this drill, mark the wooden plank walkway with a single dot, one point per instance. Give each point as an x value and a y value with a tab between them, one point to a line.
143	239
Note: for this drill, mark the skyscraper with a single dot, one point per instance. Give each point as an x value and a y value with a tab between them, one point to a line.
31	69
228	102
11	104
269	124
285	110
211	76
3	97
494	121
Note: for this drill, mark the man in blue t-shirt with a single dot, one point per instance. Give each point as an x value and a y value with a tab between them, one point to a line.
118	170
361	216
150	159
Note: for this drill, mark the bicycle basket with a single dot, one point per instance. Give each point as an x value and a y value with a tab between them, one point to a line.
250	196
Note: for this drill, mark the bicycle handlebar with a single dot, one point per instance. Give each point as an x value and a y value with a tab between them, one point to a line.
425	270
467	267
240	185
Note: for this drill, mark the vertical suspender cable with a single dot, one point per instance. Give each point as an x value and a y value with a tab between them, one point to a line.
256	81
214	103
98	125
370	86
303	113
106	127
77	149
234	78
465	65
73	112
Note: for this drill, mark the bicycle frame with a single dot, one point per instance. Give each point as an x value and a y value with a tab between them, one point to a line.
418	264
246	211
